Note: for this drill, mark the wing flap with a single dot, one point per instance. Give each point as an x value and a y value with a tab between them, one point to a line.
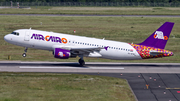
94	54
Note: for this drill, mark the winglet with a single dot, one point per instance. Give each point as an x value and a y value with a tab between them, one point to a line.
160	37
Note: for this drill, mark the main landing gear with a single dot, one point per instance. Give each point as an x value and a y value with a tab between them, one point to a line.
81	61
24	54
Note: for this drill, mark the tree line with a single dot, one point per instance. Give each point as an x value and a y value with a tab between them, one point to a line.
150	1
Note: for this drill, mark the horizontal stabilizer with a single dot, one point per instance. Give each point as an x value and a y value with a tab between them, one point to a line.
154	53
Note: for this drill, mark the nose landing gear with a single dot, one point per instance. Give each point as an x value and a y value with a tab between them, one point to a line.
24	54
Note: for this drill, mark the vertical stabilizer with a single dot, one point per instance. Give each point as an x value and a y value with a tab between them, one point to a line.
160	37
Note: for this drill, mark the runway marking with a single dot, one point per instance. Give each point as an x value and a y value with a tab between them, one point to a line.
46	67
172	88
104	68
26	67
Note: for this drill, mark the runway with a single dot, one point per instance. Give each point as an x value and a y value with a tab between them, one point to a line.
163	79
90	67
177	16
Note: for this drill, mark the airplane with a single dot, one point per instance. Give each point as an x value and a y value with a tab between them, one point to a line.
64	46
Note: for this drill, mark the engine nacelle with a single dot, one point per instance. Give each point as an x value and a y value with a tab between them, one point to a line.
61	53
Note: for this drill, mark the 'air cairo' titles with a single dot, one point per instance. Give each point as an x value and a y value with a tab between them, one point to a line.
49	38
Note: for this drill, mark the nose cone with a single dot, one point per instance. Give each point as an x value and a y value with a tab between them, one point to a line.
7	38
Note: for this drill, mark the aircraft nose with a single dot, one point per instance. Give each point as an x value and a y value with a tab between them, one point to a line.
7	38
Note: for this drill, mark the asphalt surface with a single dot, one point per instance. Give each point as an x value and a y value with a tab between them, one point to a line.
162	87
92	15
163	78
90	67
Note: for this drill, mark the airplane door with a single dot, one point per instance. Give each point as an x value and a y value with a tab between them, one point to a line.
27	35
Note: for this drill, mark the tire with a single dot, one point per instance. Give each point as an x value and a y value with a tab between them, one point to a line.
24	54
81	62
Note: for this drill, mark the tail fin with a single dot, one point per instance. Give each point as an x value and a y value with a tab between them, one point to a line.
160	37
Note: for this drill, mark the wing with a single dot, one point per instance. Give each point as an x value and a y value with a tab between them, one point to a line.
85	51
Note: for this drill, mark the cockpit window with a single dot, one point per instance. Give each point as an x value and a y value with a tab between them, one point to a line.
15	33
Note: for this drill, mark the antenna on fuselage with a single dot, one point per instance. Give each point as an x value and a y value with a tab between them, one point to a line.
103	38
30	28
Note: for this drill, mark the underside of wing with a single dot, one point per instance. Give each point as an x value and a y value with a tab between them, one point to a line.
85	51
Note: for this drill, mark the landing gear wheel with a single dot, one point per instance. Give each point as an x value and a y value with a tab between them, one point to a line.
81	62
24	54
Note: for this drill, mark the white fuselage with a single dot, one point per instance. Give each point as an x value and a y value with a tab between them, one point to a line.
115	50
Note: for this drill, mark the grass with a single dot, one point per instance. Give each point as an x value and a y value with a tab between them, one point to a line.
68	87
95	10
125	29
62	87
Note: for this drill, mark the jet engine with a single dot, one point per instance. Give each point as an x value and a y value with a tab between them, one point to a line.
61	53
